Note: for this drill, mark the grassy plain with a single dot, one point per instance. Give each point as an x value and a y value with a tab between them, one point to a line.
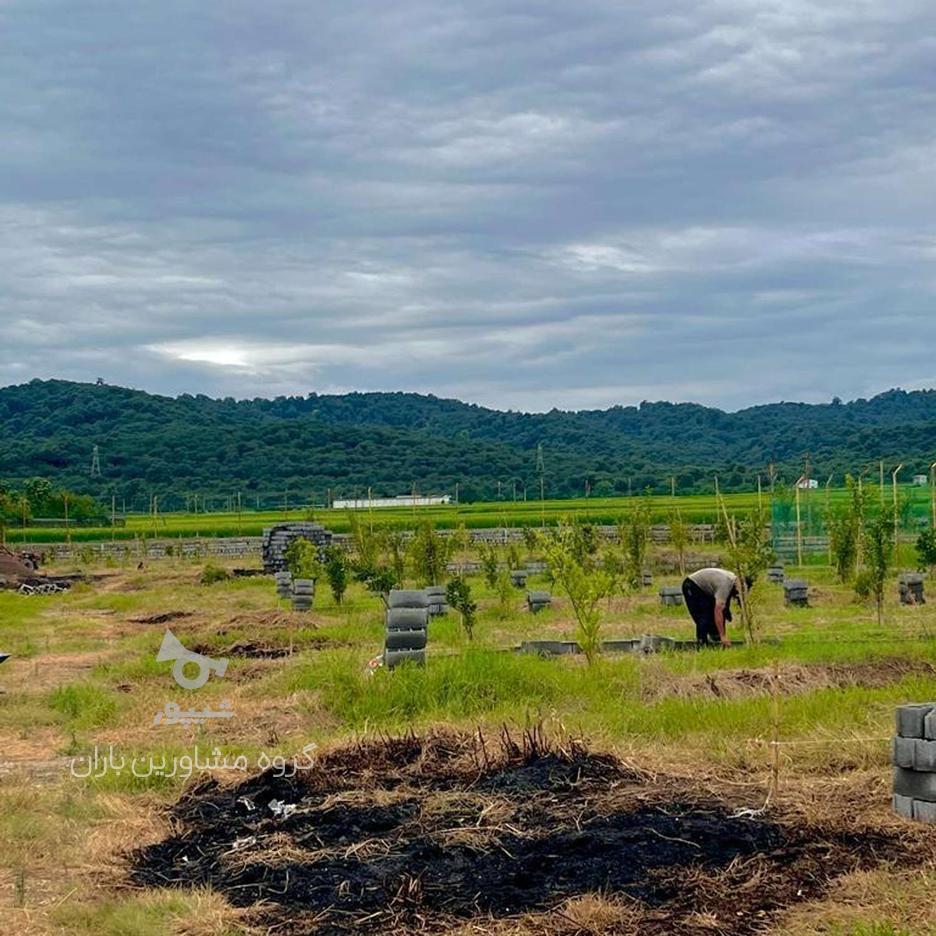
84	674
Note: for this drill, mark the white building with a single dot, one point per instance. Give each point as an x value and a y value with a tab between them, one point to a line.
402	500
807	484
920	480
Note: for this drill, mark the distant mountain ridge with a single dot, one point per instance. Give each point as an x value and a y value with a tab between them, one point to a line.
390	441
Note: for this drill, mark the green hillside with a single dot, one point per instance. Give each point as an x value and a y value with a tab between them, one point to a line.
153	444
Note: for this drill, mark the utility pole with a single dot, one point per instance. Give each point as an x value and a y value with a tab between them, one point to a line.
933	495
881	466
95	462
541	471
894	486
673	486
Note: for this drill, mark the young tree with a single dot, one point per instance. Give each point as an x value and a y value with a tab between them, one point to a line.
458	595
877	537
302	559
336	571
749	552
926	550
395	545
634	531
679	538
430	553
585	587
843	543
490	563
504	587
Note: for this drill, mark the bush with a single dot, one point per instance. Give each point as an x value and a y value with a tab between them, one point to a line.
213	573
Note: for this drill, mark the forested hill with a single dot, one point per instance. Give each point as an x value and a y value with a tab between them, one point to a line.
389	441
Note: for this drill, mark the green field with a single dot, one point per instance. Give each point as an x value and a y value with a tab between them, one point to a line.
84	674
697	508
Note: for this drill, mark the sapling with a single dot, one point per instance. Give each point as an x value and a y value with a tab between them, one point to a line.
458	595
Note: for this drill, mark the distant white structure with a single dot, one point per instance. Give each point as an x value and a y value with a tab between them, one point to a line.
920	480
402	500
807	484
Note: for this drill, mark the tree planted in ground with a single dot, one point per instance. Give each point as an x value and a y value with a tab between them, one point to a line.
458	595
634	532
430	554
504	587
365	541
490	563
395	548
336	571
584	586
926	550
843	543
749	553
877	538
302	559
679	537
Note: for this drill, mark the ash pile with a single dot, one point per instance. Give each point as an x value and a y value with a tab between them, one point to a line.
276	540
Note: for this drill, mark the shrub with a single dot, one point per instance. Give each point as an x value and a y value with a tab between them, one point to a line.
213	573
458	595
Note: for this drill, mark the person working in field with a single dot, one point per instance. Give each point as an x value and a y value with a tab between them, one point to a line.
708	595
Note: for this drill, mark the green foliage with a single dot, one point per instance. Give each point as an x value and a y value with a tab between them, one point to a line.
458	595
84	705
157	445
634	532
490	563
213	573
679	534
336	571
926	550
504	587
749	552
584	585
877	537
430	554
302	559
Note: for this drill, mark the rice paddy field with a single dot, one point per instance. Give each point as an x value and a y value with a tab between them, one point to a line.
729	791
700	508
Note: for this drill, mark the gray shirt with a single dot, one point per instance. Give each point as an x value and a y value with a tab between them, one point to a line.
718	583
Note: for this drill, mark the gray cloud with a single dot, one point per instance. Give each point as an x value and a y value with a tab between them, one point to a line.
522	205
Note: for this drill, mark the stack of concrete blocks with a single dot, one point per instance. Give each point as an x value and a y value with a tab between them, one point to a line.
796	593
437	602
537	601
914	758
671	595
646	578
911	589
518	577
276	540
407	627
283	583
776	574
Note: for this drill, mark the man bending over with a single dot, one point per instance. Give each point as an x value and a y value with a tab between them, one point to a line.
708	595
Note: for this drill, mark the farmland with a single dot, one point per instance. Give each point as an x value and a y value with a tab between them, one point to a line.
695	508
426	787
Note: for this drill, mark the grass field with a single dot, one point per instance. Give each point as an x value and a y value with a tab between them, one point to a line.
701	508
695	726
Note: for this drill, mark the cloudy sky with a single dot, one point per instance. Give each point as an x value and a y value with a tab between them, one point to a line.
526	205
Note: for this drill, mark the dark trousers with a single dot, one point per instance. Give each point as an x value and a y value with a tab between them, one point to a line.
701	606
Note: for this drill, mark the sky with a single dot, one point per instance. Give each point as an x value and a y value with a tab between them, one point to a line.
525	205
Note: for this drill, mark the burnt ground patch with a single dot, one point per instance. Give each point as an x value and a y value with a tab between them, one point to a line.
413	835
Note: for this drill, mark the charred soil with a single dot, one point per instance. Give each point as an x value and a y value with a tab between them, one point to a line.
415	834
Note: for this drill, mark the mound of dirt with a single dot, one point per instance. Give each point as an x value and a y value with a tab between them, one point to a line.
12	570
418	834
792	679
